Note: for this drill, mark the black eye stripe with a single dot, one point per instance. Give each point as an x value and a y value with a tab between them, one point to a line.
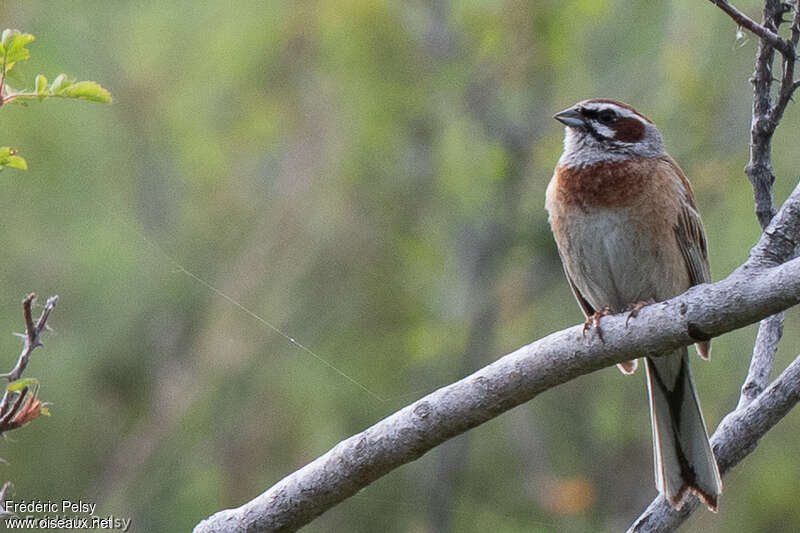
590	113
603	115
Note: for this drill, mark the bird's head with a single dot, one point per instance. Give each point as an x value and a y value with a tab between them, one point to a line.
602	130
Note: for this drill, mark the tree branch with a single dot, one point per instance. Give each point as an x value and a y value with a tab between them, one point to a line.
763	32
4	493
769	334
750	293
16	414
31	336
737	435
759	166
788	85
765	120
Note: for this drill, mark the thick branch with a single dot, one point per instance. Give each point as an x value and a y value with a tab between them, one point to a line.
737	435
746	296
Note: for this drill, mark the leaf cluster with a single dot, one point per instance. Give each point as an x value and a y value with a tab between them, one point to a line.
12	50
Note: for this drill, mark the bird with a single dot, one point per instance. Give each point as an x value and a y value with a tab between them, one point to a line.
629	233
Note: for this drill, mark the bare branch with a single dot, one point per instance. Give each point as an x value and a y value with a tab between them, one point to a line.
737	436
750	293
770	36
4	491
788	85
769	334
759	166
32	333
765	119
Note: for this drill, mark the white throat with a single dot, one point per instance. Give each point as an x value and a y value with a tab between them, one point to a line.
581	149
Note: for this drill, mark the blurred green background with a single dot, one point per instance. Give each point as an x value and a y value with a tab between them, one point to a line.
368	177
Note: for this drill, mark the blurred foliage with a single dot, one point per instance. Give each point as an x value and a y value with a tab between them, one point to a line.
367	177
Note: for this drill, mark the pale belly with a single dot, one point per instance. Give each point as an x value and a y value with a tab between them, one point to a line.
614	264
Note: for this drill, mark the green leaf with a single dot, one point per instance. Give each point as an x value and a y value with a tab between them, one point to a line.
8	158
88	90
21	384
59	84
17	162
41	86
13	48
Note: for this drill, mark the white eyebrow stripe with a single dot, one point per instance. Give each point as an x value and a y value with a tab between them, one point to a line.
623	112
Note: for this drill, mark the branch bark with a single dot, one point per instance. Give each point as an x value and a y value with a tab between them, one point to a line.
755	290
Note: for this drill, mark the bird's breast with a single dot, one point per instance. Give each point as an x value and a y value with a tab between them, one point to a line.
606	183
617	248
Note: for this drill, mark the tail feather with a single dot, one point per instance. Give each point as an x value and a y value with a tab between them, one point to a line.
683	457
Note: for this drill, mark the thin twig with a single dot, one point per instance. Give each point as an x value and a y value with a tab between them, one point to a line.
787	87
766	34
6	488
3	77
6	419
32	333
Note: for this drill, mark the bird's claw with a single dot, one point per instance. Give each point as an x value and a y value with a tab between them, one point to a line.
638	306
594	321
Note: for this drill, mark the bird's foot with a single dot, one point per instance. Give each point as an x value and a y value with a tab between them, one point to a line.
638	306
594	320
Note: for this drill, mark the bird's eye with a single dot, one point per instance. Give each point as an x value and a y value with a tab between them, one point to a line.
606	116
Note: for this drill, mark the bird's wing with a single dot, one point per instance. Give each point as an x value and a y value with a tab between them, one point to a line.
587	308
689	232
691	240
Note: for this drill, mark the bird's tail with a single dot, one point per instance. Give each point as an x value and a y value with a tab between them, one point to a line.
683	457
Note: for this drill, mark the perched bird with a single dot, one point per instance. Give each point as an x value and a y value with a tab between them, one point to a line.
628	233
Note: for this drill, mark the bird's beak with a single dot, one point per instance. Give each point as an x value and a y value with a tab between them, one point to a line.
570	117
